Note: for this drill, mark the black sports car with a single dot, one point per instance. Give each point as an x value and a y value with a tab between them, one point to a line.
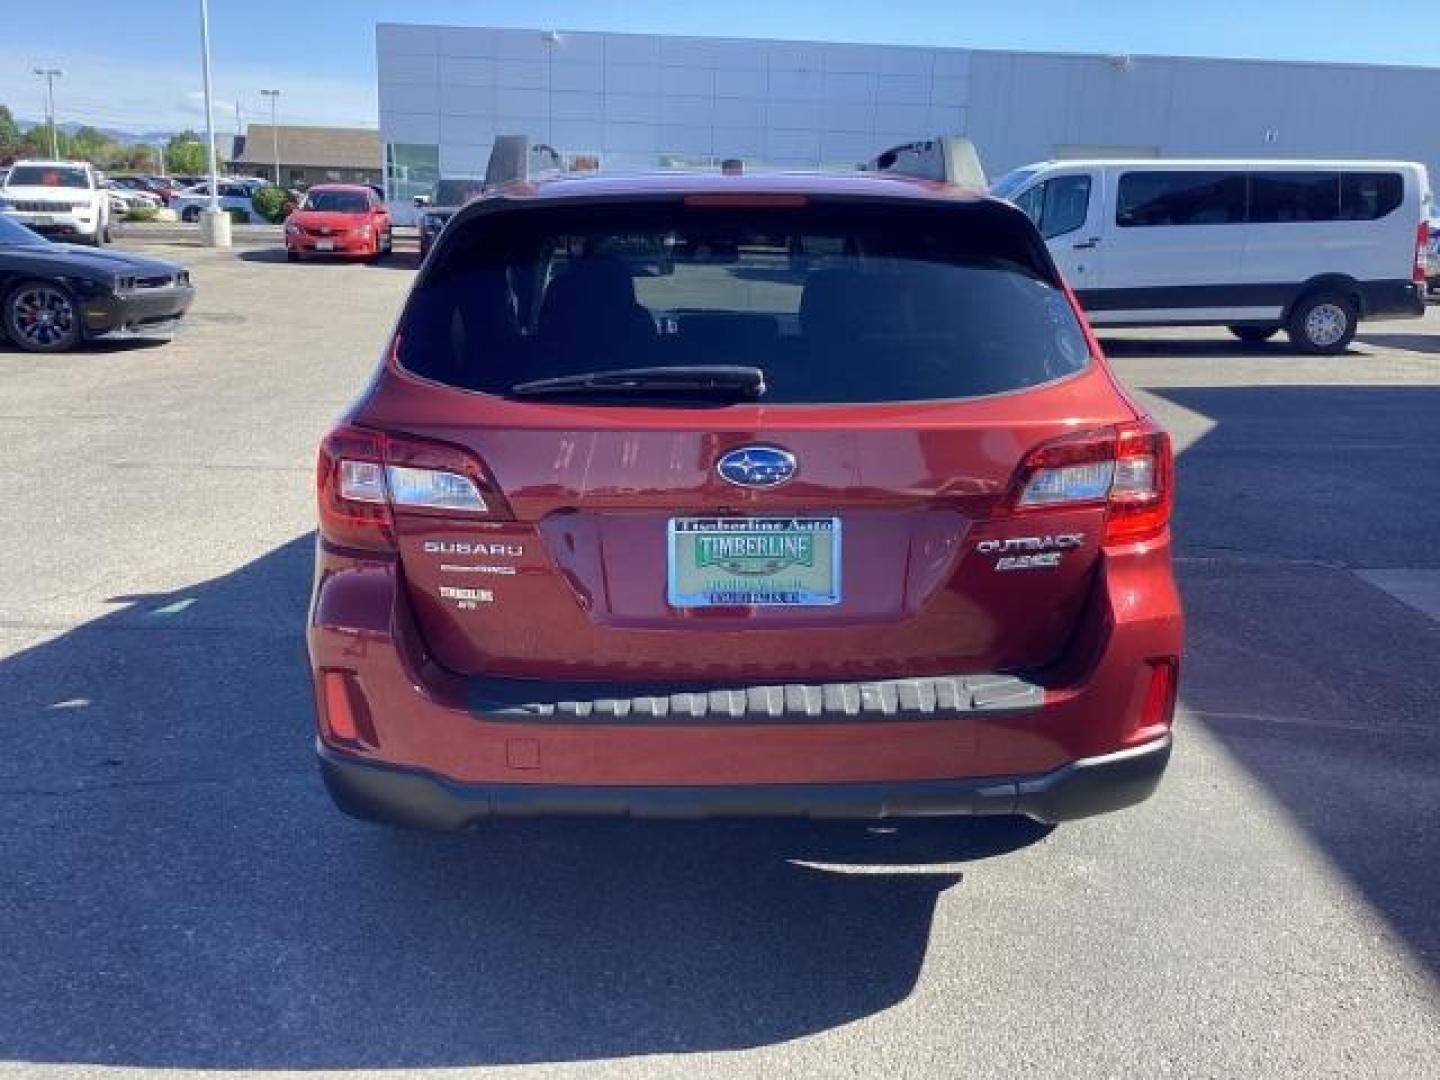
57	296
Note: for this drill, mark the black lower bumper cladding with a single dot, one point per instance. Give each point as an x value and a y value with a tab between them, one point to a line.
422	800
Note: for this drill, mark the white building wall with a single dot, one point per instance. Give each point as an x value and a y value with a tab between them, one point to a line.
631	98
1026	105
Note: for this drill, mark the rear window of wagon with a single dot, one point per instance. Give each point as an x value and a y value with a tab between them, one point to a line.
836	303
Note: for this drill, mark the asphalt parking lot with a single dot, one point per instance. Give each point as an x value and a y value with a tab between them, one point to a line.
176	892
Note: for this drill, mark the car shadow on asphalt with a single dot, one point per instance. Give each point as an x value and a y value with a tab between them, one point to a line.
396	260
261	254
179	892
1319	684
1220	346
98	347
1421	343
1277	348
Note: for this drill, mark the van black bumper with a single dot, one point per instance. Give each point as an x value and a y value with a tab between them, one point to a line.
422	800
1380	300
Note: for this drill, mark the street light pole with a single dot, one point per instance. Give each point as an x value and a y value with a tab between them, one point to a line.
274	96
215	227
49	75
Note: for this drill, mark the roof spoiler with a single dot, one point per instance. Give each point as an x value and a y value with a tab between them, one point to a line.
949	159
514	157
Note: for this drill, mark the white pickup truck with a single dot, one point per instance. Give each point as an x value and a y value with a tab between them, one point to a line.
63	199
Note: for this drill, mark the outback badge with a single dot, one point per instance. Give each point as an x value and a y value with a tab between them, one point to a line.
1030	552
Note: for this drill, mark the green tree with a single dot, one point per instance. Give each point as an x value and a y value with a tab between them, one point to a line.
10	138
38	143
91	145
185	154
135	158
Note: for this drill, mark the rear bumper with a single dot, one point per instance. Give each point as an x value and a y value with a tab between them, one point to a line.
339	245
1382	300
440	749
418	799
64	223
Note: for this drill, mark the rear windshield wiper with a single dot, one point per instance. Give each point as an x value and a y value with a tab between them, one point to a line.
721	382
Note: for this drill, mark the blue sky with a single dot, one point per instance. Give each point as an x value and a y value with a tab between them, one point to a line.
140	70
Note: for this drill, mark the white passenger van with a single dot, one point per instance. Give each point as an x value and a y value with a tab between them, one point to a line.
1312	247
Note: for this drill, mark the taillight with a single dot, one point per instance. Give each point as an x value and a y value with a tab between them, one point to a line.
365	476
438	478
1128	469
350	483
1422	246
1144	489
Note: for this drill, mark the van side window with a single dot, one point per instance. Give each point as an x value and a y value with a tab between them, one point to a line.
1067	203
1368	196
1033	203
1057	206
1148	199
1294	196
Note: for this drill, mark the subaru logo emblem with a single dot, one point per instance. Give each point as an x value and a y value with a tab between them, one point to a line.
756	466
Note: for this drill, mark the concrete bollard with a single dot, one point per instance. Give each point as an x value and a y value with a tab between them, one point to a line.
215	228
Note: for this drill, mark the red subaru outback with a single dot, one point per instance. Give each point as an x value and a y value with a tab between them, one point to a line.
742	495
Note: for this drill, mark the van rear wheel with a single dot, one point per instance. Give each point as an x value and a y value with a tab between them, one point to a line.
1323	324
1253	335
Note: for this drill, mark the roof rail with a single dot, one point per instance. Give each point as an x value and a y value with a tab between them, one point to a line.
950	159
514	157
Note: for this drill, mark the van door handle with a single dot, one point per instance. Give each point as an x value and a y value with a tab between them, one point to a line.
1084	245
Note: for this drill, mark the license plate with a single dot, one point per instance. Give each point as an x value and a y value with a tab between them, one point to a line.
754	562
324	245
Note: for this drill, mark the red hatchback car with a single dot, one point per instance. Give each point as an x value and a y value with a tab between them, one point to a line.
742	495
339	219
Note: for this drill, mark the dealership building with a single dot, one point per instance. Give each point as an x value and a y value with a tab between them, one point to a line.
635	102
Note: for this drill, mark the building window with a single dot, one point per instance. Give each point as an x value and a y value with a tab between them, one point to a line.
411	169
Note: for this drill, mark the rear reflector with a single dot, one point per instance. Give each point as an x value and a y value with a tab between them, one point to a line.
1157	713
1422	245
340	723
1126	468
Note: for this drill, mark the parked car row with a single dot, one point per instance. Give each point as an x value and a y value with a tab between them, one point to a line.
161	187
123	199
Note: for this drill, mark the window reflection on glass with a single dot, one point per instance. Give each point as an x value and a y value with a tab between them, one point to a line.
411	169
